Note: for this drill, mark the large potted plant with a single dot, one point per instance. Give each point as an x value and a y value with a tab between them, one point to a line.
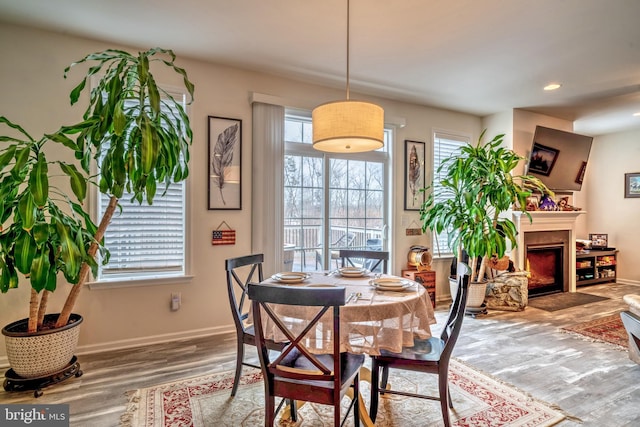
139	134
477	189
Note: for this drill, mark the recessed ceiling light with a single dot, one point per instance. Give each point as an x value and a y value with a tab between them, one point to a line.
637	114
552	86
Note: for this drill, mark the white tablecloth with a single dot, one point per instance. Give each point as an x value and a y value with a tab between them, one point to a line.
377	320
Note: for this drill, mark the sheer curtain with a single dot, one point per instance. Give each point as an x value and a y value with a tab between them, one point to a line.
267	174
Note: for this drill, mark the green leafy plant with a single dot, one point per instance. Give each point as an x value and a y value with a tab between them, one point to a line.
140	135
477	189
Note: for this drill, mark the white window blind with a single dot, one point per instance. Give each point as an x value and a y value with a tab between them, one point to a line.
444	146
147	241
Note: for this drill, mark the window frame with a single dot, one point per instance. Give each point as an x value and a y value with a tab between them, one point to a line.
126	279
382	156
439	242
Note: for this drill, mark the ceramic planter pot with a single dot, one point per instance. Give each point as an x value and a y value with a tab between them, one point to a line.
42	353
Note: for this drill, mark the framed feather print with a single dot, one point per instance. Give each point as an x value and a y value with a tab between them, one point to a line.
225	163
414	178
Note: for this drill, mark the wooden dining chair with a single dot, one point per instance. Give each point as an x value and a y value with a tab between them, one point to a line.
298	373
373	260
241	271
429	356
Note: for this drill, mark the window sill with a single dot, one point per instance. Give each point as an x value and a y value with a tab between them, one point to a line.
147	281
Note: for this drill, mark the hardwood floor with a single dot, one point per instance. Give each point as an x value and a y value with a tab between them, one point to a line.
593	382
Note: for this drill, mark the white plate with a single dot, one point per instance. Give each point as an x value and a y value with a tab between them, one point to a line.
388	284
290	277
321	285
353	271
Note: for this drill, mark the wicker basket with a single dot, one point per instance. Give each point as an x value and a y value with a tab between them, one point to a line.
43	353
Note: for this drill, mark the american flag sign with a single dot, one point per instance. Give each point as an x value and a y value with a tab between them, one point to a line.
224	237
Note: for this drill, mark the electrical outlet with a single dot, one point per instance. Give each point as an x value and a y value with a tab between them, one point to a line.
176	300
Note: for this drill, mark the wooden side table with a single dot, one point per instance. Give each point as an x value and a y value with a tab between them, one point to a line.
426	278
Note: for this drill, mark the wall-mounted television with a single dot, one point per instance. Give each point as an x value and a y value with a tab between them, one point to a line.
559	158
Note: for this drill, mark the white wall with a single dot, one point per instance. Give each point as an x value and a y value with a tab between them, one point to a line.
609	212
35	95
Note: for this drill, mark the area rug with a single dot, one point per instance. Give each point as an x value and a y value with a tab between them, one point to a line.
607	329
560	301
479	400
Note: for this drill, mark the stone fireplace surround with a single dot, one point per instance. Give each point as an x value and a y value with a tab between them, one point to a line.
549	228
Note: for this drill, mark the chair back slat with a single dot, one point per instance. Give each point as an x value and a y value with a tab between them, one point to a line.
452	327
250	267
369	259
298	372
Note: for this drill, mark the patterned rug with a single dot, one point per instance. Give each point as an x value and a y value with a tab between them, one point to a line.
479	400
607	329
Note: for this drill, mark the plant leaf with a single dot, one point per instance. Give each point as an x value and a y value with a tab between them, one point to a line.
40	267
24	252
77	179
39	181
27	210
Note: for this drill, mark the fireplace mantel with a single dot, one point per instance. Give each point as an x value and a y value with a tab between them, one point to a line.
548	221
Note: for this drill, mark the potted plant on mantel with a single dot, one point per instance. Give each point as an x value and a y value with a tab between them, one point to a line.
476	191
141	136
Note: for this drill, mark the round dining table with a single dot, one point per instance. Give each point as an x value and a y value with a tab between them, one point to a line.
372	319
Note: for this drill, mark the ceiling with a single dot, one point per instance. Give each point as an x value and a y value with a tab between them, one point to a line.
479	57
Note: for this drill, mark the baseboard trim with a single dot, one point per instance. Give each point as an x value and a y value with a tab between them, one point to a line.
142	341
627	281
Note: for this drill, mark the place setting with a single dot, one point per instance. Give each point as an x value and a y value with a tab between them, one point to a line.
352	272
290	277
392	284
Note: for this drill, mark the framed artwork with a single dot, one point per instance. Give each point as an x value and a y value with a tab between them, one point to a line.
580	176
598	241
414	174
225	163
632	185
542	159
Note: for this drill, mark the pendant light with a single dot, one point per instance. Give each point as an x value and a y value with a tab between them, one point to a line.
348	126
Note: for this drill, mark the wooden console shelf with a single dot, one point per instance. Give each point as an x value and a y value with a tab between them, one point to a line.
426	279
596	266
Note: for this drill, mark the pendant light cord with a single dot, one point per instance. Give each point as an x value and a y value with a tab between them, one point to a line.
348	49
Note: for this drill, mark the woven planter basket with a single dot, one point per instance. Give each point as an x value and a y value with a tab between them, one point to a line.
476	294
43	353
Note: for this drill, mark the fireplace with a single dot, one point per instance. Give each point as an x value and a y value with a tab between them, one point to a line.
547	260
546	269
555	231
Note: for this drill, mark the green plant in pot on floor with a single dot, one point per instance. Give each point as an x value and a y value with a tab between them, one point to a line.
138	133
475	192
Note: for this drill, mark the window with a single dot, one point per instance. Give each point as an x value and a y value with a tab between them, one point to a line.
147	241
444	146
338	199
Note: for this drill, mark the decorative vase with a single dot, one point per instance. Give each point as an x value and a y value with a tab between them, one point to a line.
43	353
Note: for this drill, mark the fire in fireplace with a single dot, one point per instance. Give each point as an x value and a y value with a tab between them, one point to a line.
545	266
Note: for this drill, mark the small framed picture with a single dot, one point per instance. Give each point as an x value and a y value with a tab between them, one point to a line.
225	163
542	159
598	241
414	175
632	185
581	171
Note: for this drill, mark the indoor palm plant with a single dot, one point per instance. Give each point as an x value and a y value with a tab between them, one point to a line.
140	136
477	189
